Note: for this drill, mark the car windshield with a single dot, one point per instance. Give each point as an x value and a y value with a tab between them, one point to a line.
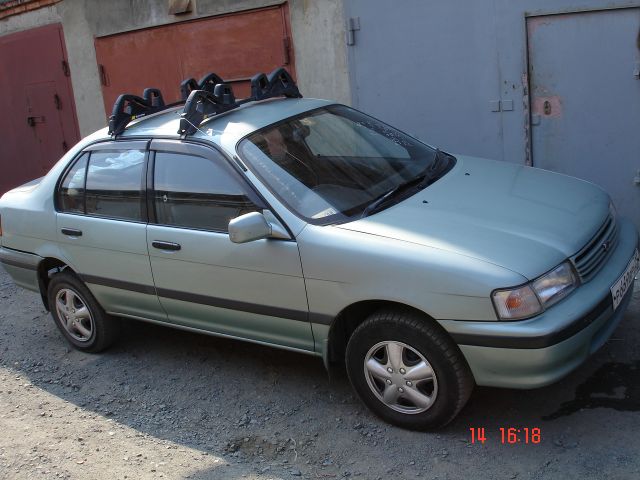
329	165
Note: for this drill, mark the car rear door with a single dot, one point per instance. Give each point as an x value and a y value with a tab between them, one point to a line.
102	221
254	290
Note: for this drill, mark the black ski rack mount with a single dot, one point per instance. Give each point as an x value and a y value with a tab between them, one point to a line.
208	82
201	100
202	104
129	107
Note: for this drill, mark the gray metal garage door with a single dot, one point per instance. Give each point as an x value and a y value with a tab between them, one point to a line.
431	69
585	99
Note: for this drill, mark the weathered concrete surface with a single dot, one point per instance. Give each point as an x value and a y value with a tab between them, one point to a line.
167	404
317	30
85	78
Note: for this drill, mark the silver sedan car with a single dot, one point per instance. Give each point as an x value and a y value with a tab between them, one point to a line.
310	226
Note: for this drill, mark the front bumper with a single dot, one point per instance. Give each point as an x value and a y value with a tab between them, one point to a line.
539	351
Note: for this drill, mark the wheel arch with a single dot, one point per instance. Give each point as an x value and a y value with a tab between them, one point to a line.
48	267
346	322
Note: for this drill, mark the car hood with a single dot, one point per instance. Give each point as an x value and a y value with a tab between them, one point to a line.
524	219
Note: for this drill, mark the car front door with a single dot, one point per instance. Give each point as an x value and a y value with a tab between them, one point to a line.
204	281
102	222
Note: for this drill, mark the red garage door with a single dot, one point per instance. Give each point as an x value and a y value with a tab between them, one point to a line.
235	46
38	122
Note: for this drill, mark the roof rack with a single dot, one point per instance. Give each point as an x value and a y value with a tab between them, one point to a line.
202	104
129	107
278	83
208	82
210	96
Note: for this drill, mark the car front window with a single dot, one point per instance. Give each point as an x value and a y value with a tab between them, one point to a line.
328	165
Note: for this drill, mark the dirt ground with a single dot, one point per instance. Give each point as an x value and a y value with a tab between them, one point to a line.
167	404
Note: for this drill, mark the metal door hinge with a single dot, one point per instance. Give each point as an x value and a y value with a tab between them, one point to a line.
103	75
65	68
353	25
286	45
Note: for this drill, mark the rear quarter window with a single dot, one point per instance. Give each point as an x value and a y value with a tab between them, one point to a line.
71	193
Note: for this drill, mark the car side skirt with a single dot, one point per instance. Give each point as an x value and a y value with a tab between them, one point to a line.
217	334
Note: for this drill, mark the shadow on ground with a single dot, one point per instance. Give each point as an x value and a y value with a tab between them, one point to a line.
275	414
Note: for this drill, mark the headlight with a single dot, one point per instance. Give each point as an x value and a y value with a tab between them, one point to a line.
531	299
556	284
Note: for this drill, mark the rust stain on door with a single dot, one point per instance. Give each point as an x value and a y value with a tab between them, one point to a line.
547	106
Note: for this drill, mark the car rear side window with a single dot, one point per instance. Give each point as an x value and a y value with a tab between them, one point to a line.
71	194
114	184
197	192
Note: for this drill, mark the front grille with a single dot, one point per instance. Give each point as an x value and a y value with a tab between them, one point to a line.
593	255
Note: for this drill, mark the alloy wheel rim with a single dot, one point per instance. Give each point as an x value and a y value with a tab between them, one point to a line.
400	377
74	315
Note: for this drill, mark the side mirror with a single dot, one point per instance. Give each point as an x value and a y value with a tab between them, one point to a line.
249	227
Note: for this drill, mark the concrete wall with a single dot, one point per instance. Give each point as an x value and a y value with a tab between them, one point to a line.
317	29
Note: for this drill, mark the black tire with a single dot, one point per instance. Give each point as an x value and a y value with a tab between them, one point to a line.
449	391
104	329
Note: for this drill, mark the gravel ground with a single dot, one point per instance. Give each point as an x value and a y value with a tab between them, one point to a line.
167	404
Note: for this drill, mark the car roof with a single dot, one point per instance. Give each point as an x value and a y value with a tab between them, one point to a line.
228	128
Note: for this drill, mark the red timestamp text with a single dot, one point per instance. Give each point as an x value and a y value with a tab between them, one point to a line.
508	435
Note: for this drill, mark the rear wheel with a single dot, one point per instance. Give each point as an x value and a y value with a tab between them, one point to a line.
78	315
407	370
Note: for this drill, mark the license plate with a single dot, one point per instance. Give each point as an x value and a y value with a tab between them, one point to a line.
625	281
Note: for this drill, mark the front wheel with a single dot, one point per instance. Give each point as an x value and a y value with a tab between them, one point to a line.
78	315
407	370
